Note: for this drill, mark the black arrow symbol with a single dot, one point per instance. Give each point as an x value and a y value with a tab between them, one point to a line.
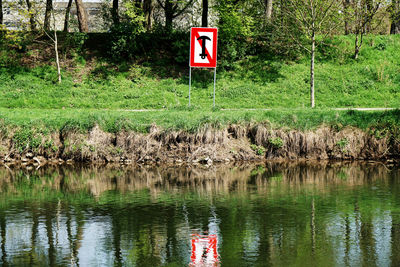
203	38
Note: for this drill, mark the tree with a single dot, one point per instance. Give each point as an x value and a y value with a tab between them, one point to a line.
52	35
82	19
346	6
313	17
268	10
1	12
55	41
204	15
49	9
363	13
114	12
32	21
67	13
395	17
173	9
148	13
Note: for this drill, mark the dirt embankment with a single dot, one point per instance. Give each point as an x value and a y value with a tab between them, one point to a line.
233	143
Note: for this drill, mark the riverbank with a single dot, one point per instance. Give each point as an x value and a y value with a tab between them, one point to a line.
195	136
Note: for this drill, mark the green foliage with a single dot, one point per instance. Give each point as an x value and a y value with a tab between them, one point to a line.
124	35
234	29
342	143
258	170
276	142
27	139
260	150
74	41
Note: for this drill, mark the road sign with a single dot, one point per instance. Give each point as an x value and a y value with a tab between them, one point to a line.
203	47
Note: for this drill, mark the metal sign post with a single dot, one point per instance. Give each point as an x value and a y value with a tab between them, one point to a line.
190	81
215	77
203	53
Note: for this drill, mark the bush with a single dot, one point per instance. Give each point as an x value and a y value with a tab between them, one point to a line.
234	29
260	150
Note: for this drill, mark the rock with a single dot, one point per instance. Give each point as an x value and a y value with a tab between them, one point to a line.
178	161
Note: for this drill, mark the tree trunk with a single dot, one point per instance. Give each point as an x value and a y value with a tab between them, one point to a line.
148	13
346	4
1	11
169	15
67	12
358	43
268	10
82	20
57	57
312	70
114	12
49	8
56	47
204	16
32	21
395	27
369	7
395	18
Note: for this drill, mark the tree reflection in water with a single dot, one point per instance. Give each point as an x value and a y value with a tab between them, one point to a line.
345	214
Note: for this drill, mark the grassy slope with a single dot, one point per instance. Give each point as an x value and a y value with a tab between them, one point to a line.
372	81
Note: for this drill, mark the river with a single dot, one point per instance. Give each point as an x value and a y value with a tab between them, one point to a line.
269	214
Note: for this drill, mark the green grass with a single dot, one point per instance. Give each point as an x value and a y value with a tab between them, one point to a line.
255	82
191	120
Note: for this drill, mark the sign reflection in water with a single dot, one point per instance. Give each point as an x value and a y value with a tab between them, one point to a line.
274	214
205	246
204	250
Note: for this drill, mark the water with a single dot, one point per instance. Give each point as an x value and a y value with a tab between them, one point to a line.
274	214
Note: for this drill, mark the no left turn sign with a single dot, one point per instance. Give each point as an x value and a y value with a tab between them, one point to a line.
203	47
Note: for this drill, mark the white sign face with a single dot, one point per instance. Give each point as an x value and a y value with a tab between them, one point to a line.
203	47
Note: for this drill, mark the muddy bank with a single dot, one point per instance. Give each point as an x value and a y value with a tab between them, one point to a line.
208	145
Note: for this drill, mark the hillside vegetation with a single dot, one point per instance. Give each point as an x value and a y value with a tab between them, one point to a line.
92	79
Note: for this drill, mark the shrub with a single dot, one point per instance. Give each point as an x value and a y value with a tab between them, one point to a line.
276	142
260	150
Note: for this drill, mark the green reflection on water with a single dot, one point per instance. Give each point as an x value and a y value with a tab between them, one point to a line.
274	214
